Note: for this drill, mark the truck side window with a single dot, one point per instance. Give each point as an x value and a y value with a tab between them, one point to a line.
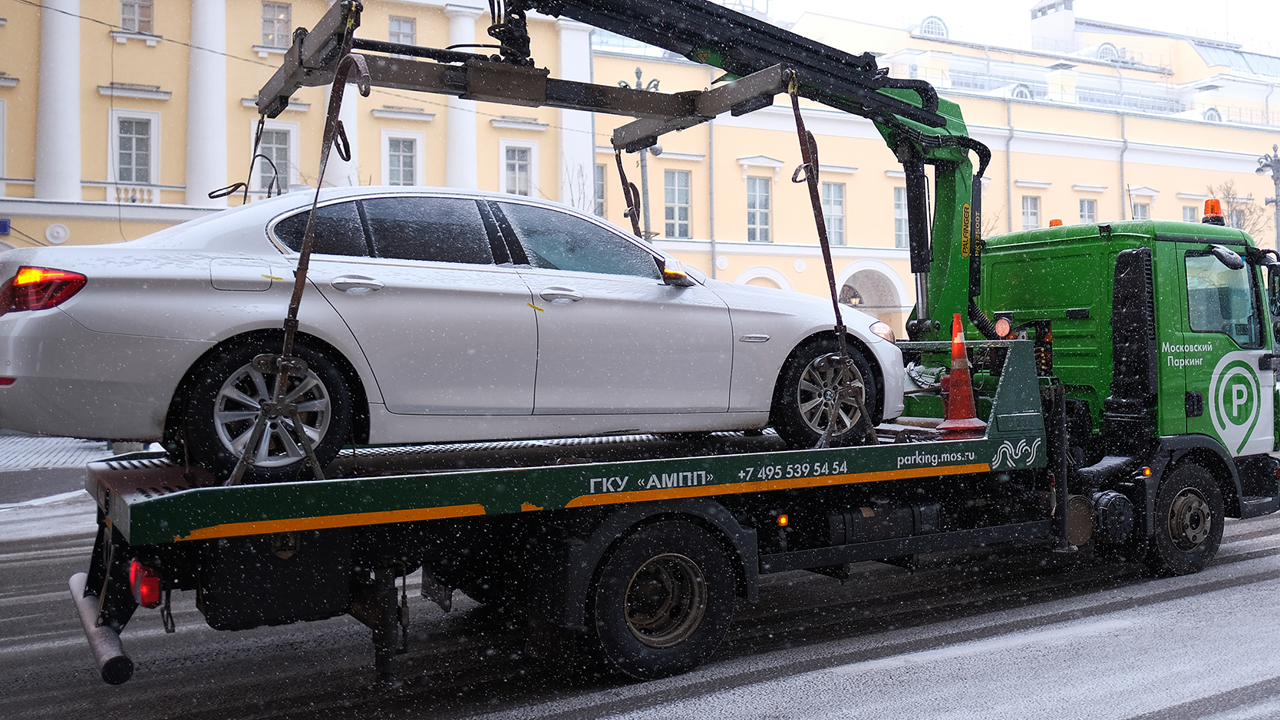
1222	300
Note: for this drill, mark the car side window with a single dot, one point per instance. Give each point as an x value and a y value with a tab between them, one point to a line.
338	231
425	228
556	240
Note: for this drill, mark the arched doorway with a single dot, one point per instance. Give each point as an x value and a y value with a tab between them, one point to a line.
873	290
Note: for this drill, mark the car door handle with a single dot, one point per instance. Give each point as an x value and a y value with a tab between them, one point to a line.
553	294
355	284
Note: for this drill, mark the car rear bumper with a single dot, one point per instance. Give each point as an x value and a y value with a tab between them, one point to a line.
70	381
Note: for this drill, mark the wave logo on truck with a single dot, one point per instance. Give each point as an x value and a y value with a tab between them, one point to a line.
1235	400
1011	455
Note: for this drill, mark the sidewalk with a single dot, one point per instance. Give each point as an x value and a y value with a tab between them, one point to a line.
19	451
42	485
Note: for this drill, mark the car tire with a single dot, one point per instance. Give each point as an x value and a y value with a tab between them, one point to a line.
662	602
1188	522
805	386
222	406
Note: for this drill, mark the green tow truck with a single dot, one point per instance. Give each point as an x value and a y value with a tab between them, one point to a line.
1125	377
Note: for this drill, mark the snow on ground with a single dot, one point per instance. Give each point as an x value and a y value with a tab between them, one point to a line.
68	513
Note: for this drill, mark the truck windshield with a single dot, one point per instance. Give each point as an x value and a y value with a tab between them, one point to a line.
1222	300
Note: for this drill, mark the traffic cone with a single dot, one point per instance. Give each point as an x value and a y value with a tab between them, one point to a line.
957	390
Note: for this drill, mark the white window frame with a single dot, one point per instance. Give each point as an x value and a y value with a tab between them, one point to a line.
688	206
1030	212
532	147
419	141
1235	218
1091	215
835	221
1146	210
413	30
3	171
124	19
288	22
1190	213
767	225
599	189
113	144
901	225
291	176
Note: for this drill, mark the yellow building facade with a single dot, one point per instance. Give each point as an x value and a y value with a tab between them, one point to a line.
117	118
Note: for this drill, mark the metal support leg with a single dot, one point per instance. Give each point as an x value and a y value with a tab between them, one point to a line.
376	606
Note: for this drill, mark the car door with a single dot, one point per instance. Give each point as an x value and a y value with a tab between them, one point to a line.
444	328
1223	349
613	338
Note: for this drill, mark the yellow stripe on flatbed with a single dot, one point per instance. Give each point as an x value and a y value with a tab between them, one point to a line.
321	522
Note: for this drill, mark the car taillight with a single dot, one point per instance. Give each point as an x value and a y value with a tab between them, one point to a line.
145	583
36	288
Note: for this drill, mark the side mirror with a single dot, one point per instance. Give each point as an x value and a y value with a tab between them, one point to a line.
1227	257
673	273
1273	291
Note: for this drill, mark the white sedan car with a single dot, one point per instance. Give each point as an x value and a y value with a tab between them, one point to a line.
429	316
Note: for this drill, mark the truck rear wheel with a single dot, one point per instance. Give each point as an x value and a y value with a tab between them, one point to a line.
663	600
1188	522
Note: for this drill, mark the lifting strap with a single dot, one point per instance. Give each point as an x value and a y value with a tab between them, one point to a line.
631	195
285	365
808	172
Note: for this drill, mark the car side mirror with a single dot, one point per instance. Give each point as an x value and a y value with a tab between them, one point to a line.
673	273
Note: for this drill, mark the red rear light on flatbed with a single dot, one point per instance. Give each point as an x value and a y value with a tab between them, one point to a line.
145	583
6	381
36	288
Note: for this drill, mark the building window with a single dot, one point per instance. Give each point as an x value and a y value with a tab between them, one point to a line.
1212	115
402	160
403	31
1190	213
1107	51
675	190
276	19
833	211
933	27
1088	211
519	164
758	207
275	147
1235	218
901	235
133	150
1141	211
135	16
1030	212
598	190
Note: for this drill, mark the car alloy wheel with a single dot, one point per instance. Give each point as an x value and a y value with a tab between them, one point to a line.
239	404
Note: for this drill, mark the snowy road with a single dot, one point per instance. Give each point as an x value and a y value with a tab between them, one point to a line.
1019	636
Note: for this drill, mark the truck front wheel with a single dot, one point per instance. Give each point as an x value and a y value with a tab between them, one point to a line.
663	600
1188	522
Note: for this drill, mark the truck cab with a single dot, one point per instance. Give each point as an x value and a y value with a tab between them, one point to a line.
1159	331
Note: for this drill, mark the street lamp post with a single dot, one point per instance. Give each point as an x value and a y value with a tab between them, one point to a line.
651	86
1272	163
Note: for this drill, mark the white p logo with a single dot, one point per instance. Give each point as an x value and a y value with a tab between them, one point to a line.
1239	394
